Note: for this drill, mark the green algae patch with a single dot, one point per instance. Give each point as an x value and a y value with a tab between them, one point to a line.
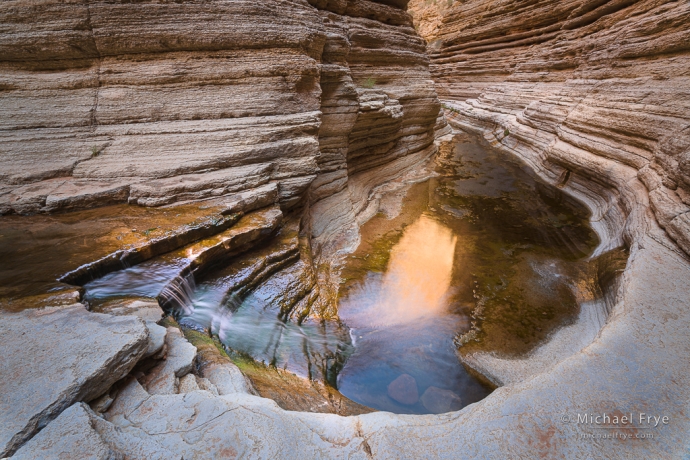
292	392
169	321
521	265
209	348
523	252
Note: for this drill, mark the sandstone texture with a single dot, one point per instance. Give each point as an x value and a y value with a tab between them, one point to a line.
55	357
555	81
523	420
71	436
310	105
179	361
320	108
593	96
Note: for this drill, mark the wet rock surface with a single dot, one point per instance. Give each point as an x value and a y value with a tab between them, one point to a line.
572	88
328	103
325	102
39	250
439	401
199	421
556	80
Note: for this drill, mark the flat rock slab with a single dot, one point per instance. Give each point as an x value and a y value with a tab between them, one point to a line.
69	436
55	357
146	310
200	425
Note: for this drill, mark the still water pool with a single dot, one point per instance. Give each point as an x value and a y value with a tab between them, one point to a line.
482	257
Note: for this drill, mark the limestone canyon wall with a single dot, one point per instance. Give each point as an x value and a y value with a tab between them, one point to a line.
581	87
311	105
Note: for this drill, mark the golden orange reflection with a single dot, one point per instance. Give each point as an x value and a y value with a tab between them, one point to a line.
419	273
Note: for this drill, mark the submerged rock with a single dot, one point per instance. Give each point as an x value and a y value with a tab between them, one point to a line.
404	390
439	401
55	357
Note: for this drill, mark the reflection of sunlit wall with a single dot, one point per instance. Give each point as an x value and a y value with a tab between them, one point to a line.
417	280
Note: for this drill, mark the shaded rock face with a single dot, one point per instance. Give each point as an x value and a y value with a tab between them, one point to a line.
307	105
550	80
219	418
114	102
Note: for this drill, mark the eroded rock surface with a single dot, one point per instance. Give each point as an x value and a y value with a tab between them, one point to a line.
308	105
593	96
179	360
555	81
71	436
55	357
313	106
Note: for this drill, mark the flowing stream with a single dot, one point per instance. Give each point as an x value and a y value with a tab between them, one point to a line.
482	256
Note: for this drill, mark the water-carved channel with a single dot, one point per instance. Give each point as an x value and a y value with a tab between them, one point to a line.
480	258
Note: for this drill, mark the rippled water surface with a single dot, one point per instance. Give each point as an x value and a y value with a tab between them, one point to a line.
253	326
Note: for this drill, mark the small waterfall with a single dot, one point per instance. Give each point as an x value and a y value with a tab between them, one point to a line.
177	295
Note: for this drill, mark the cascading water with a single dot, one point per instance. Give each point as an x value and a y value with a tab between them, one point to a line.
482	257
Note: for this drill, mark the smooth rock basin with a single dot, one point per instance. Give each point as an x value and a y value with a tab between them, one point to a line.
482	256
645	335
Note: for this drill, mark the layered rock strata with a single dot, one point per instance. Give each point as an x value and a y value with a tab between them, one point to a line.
211	411
556	81
593	96
308	105
636	363
292	110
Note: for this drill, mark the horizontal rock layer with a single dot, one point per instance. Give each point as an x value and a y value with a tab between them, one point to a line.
212	412
607	77
150	104
594	97
307	105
